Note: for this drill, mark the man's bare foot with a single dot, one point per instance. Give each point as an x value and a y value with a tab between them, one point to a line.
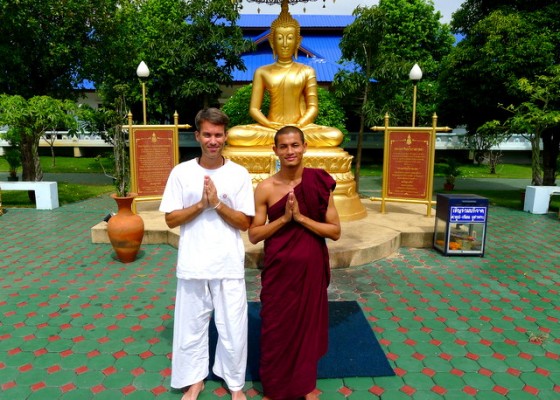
312	396
193	391
238	395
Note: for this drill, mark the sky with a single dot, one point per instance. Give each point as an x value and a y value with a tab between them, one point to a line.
342	7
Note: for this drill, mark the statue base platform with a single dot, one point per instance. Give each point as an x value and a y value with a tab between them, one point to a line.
374	237
261	162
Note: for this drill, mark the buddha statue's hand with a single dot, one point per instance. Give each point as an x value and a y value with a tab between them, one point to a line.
274	125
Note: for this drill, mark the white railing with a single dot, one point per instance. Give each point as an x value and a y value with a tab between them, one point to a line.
444	141
455	141
63	139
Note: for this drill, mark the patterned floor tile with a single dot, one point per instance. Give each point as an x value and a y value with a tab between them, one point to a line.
75	323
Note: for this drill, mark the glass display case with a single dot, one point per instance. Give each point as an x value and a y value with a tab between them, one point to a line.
460	227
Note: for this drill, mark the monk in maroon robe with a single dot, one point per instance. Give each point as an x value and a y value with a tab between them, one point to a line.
301	214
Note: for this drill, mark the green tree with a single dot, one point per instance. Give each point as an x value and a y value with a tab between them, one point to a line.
191	48
488	136
414	34
505	41
473	11
27	122
384	42
536	115
360	44
42	45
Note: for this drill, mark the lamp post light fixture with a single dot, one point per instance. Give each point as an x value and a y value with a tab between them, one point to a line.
415	75
143	72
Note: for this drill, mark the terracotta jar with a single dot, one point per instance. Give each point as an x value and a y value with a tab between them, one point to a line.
125	229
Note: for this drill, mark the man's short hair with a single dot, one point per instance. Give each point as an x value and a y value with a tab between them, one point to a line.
213	115
288	129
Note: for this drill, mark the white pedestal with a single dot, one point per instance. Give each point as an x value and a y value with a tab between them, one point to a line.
537	198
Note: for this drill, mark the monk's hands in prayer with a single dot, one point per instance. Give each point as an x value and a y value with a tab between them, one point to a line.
288	210
296	215
292	209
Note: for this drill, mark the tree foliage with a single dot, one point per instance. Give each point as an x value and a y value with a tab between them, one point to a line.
389	39
191	48
43	45
383	43
506	41
48	48
28	121
537	114
473	11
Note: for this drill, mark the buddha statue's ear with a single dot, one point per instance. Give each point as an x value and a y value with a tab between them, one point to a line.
271	42
297	48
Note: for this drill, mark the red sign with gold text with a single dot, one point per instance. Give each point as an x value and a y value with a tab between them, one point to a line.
153	159
409	160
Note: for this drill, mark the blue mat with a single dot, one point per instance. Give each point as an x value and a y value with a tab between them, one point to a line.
353	348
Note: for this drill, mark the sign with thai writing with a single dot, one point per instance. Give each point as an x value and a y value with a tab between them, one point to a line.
467	214
153	156
408	166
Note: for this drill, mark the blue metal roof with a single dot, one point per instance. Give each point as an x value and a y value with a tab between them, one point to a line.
305	20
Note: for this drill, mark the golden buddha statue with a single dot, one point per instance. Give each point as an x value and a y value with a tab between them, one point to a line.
292	88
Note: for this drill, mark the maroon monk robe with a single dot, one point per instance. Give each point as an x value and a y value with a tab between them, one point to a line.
294	313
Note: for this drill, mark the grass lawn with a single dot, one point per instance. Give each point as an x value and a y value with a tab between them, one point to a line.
67	192
64	165
506	171
502	198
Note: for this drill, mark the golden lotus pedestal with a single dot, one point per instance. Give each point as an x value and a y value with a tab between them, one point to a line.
261	162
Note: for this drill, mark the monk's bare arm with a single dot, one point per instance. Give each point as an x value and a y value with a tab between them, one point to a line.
329	229
259	229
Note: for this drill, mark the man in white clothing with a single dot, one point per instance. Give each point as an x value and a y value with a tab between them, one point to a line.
211	199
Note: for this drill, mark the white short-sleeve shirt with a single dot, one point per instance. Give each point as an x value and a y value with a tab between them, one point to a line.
209	248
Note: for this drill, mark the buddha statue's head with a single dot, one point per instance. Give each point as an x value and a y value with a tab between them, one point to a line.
284	35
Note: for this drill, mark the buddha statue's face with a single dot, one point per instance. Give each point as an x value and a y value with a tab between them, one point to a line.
285	42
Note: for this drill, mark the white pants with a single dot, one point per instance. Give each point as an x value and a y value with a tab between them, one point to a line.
194	303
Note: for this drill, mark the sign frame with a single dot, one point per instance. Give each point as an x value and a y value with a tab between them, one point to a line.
141	136
408	150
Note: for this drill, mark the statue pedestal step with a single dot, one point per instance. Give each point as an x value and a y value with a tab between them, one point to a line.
261	162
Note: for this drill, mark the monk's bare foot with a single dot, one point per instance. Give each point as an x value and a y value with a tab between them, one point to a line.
193	391
238	395
312	396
